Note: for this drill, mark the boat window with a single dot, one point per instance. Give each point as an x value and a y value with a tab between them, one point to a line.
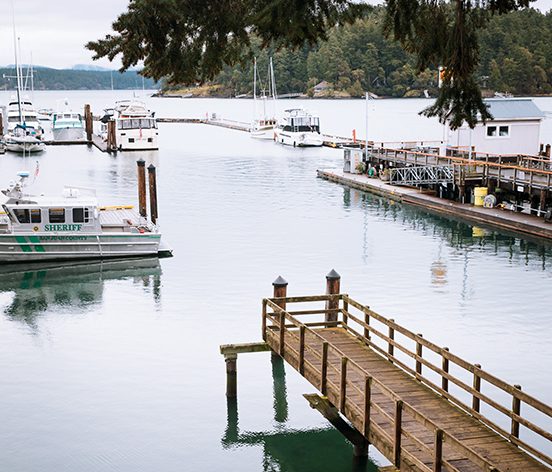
22	215
145	123
81	215
36	216
124	124
136	123
57	215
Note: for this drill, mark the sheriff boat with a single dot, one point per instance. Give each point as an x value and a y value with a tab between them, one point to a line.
71	226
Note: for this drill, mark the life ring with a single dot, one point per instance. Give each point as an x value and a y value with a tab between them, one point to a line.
371	172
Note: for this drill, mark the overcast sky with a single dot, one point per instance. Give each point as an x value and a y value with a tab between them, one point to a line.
55	32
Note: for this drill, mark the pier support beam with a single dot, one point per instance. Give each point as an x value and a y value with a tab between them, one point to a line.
328	411
230	353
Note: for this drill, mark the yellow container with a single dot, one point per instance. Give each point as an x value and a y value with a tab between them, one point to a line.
479	194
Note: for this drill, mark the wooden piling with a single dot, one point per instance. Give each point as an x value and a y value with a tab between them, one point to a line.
152	193
111	136
88	122
280	290
142	186
231	375
333	280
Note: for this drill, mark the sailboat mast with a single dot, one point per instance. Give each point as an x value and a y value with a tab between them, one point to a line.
16	64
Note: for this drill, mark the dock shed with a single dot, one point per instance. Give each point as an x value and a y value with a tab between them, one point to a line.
515	129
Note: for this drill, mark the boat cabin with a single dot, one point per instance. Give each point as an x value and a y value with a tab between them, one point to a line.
515	129
298	120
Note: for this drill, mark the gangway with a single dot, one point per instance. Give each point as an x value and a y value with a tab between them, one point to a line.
424	175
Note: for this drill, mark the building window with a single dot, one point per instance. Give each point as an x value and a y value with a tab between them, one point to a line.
491	130
503	131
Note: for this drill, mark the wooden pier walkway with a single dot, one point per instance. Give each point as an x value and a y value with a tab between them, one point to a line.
396	388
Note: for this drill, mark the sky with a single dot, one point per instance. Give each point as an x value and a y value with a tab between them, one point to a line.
53	33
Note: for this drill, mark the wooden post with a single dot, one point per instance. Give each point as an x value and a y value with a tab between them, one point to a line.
516	409
282	332
343	384
111	136
367	403
543	197
476	387
88	122
142	187
445	369
548	150
280	290
345	311
332	288
302	350
419	354
391	348
324	368
1	123
263	328
152	193
367	322
397	435
231	375
438	450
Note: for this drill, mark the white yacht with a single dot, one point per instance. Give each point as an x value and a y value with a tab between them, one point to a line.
71	226
24	133
67	126
300	128
265	124
136	126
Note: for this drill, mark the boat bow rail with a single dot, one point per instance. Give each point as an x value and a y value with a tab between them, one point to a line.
396	387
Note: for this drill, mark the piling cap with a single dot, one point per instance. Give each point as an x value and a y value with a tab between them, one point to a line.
280	282
151	168
333	275
141	162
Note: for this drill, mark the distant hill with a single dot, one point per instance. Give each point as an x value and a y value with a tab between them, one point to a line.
77	79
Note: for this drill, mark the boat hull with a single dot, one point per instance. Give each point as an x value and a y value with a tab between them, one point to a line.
24	146
39	247
268	133
300	139
68	134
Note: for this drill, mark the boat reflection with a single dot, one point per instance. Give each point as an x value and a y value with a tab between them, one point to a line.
32	289
288	450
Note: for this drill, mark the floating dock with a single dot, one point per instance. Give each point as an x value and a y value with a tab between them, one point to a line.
393	387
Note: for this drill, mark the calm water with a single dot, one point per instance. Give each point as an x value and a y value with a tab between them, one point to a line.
116	366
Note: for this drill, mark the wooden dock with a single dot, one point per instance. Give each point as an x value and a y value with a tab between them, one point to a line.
396	388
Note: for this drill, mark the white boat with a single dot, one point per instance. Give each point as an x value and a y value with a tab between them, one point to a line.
300	128
67	126
24	133
265	124
135	126
71	226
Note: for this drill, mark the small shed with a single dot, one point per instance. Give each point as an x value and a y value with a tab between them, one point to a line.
515	129
321	86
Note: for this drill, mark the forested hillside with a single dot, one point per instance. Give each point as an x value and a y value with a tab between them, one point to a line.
516	57
55	79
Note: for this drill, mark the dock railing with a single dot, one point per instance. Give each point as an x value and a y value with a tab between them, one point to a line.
337	373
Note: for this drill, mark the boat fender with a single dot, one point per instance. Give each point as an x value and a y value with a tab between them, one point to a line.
371	172
129	222
141	230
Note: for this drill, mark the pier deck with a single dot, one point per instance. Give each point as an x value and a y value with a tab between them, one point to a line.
361	361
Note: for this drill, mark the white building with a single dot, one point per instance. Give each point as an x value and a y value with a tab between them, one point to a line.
515	129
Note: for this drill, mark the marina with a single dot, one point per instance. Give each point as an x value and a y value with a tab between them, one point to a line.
108	360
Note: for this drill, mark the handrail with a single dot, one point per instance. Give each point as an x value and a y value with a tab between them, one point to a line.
279	318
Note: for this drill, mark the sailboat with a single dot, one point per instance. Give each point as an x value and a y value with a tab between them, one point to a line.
265	123
24	133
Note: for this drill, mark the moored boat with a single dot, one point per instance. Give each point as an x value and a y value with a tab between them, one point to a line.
300	128
24	133
67	126
265	124
71	226
135	126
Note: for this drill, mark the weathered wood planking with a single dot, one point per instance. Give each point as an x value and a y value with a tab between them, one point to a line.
416	427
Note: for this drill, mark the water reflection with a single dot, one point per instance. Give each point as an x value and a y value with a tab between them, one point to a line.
289	450
32	289
460	234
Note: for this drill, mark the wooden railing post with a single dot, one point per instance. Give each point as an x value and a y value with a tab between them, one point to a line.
367	403
343	384
391	348
345	311
333	280
516	409
282	332
324	368
476	387
419	354
280	290
367	322
438	450
302	350
444	383
263	328
397	435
